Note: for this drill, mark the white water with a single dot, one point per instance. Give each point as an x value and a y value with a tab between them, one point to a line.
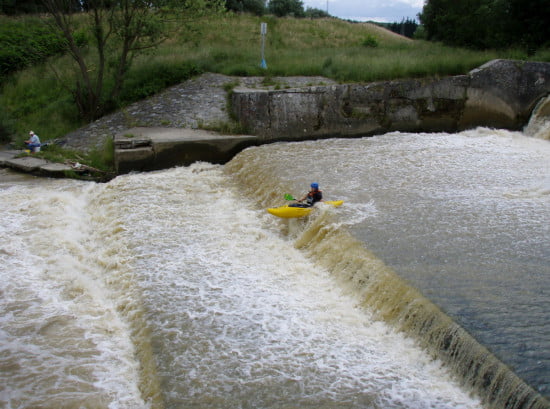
237	316
463	217
62	342
183	267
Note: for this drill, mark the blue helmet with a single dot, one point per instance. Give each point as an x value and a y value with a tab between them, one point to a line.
315	185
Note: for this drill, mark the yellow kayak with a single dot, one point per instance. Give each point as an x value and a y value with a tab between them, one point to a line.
293	211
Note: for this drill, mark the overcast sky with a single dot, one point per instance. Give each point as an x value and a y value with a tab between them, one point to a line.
388	11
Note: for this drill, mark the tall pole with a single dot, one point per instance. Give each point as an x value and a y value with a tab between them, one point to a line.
263	31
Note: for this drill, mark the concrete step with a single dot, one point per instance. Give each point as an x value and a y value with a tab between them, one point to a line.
34	165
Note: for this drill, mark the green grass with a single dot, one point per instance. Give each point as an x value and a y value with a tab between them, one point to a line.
36	98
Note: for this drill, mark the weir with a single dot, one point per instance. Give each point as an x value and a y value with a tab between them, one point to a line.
157	228
499	94
396	302
176	288
329	244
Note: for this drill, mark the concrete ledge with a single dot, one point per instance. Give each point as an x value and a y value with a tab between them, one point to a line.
56	170
144	149
27	164
7	155
34	165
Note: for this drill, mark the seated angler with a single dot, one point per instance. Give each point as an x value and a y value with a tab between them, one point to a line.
33	143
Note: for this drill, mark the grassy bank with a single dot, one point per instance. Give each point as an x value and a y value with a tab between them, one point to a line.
36	98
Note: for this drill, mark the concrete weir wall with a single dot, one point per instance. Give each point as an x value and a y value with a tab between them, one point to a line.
499	94
160	148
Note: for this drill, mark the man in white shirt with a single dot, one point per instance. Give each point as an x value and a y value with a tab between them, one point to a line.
33	142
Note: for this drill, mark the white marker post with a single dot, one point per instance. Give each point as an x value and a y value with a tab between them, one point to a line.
263	30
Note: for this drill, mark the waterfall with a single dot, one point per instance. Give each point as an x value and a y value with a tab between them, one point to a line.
392	299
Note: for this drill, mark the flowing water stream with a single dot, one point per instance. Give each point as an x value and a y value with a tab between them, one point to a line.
175	289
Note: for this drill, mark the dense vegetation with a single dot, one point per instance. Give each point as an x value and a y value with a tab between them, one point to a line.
40	76
281	8
25	45
488	23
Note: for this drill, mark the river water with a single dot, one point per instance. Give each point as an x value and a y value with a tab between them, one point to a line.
176	289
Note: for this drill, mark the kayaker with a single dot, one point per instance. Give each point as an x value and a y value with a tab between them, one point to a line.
313	196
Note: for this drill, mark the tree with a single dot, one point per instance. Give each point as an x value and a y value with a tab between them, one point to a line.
283	8
528	23
316	13
459	23
487	23
104	40
406	28
256	7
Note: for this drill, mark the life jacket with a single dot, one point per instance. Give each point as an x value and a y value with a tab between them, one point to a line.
314	197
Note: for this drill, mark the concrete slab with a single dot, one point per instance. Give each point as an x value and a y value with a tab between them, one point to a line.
7	155
26	163
139	149
56	167
55	170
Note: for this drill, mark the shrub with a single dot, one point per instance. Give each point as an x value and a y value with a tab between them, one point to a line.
256	7
7	127
370	41
24	43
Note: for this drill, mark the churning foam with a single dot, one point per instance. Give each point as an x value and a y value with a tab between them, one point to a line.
64	343
174	289
354	169
240	318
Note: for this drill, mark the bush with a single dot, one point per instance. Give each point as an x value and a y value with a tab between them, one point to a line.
24	43
152	78
370	41
7	127
256	7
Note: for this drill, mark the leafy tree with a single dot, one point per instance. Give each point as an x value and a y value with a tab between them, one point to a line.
117	31
256	7
528	23
461	23
283	8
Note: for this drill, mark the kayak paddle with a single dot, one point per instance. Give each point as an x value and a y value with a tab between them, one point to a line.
289	197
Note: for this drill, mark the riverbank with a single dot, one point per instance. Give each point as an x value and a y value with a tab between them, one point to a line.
199	103
20	161
170	128
185	108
